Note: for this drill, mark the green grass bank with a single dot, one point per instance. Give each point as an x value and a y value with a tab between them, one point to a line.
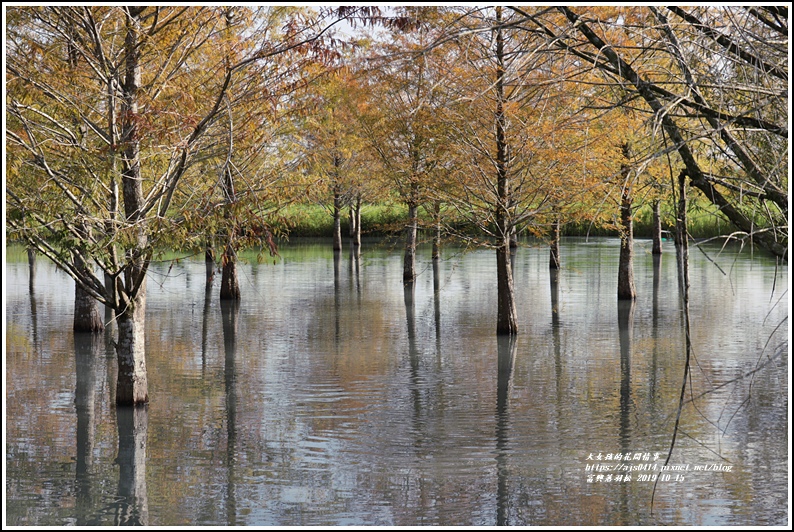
388	219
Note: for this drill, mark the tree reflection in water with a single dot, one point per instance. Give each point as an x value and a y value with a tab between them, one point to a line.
506	352
132	505
625	332
229	313
87	349
275	421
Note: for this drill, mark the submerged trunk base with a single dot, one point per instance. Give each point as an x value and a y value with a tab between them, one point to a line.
230	287
132	386
506	315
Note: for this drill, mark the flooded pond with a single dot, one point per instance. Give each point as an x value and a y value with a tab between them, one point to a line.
331	396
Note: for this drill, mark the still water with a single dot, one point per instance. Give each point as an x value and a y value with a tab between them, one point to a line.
331	396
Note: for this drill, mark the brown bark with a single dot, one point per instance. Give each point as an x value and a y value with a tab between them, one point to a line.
337	220
554	246
506	316
680	218
86	308
110	290
681	237
657	228
209	265
437	303
409	263
132	385
626	289
230	287
554	289
31	273
436	253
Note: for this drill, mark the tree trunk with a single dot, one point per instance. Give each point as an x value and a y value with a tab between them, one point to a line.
114	213
657	277
554	289
110	289
506	316
554	247
31	271
513	238
86	308
230	287
680	219
337	220
409	264
657	228
32	262
209	265
357	236
626	290
681	237
355	222
132	386
436	254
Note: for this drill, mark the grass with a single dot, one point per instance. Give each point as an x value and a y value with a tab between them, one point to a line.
310	220
703	221
389	219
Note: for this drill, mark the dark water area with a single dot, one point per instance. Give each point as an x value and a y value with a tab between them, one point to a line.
330	395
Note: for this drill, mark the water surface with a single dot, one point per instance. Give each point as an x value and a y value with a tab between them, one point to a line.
332	396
